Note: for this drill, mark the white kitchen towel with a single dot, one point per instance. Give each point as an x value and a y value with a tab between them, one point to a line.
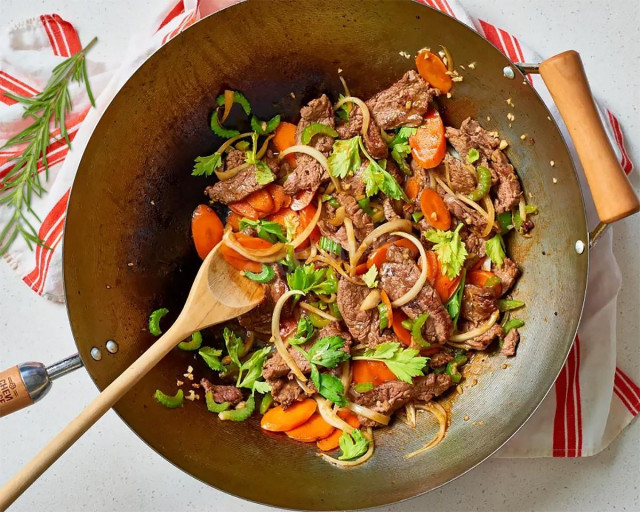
592	400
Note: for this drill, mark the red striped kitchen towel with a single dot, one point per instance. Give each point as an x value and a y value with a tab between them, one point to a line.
592	400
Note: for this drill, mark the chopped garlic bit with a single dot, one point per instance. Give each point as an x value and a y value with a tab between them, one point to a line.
457	78
511	117
195	385
462	67
292	95
504	366
192	395
488	118
503	144
459	389
179	383
472	65
339	70
552	163
555	180
188	376
474	382
466	418
189	369
549	118
404	54
449	95
510	103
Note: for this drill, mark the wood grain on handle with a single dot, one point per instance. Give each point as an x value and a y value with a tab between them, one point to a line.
94	411
566	80
13	393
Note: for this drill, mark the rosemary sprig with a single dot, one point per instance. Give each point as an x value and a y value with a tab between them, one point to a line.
48	110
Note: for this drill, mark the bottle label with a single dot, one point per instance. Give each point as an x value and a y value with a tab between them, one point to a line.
13	393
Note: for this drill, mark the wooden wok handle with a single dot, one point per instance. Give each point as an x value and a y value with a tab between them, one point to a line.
611	191
14	394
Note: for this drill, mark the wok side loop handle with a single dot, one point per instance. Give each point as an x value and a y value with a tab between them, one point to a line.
567	82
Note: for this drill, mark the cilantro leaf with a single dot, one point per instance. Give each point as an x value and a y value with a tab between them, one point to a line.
206	165
253	367
370	276
327	352
403	363
405	132
345	110
304	331
234	345
267	230
262	387
264	176
449	248
306	278
495	249
399	146
353	445
345	158
363	387
376	178
211	356
328	386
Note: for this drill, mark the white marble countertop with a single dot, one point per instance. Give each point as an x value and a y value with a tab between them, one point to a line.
111	469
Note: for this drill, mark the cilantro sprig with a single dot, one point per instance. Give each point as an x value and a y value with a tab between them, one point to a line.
496	250
306	278
345	158
353	445
377	179
449	248
403	363
267	230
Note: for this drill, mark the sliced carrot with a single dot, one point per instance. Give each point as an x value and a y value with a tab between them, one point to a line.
428	144
306	216
302	199
387	302
313	429
403	334
434	209
287	327
430	351
261	201
375	372
379	256
238	261
278	419
433	267
280	199
285	137
445	286
233	221
433	70
206	228
244	209
412	187
480	277
362	269
333	441
252	242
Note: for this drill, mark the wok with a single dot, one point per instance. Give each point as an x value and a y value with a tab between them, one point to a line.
127	249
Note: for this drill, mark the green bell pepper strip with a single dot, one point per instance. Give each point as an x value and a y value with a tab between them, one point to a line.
407	324
472	155
212	405
315	129
265	403
264	127
452	368
335	310
364	205
170	402
505	220
238	98
508	305
512	323
363	387
416	330
439	370
329	245
264	276
417	216
239	414
154	321
219	130
328	198
383	311
484	184
318	321
194	344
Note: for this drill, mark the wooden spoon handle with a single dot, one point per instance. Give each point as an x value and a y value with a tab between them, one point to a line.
566	80
94	411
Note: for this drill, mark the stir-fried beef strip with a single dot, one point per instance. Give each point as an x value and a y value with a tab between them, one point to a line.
430	386
259	319
482	341
509	191
462	180
373	142
478	303
386	398
470	136
234	189
464	213
397	276
508	274
510	343
362	223
222	394
440	359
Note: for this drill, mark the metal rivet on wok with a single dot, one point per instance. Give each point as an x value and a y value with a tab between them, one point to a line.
508	72
112	346
579	246
96	354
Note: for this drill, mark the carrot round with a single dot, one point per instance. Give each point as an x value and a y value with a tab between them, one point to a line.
433	267
445	286
278	419
261	201
434	209
206	228
428	144
403	334
285	137
280	199
379	256
244	209
433	70
480	277
333	441
375	372
412	187
237	261
387	302
313	429
233	221
252	242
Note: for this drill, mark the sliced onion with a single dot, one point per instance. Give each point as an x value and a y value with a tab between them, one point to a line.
387	227
464	336
314	153
345	377
339	217
228	102
523	210
366	117
368	413
486	264
417	286
491	216
411	414
371	300
473	171
350	463
329	415
270	255
447	54
261	152
307	390
319	312
328	260
432	180
386	137
443	418
328	299
473	205
351	242
227	175
344	84
277	339
307	231
444	186
447	173
232	140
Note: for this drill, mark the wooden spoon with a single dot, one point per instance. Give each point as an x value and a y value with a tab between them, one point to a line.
219	293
